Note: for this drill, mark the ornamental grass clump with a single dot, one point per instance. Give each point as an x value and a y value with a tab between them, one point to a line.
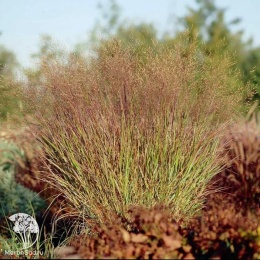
241	175
121	130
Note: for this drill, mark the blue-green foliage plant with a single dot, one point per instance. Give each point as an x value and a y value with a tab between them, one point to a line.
14	197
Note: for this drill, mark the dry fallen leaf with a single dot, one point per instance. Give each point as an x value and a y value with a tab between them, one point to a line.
139	238
126	235
170	242
64	251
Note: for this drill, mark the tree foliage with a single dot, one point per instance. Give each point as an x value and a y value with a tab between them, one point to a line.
207	25
7	61
10	103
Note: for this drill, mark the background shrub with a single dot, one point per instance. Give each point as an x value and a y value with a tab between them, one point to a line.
241	176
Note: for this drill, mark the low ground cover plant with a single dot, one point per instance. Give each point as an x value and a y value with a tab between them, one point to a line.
13	196
220	232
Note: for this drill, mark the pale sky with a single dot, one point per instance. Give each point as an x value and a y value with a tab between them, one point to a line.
22	22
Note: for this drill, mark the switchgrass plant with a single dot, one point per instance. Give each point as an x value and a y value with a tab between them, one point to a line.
123	130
